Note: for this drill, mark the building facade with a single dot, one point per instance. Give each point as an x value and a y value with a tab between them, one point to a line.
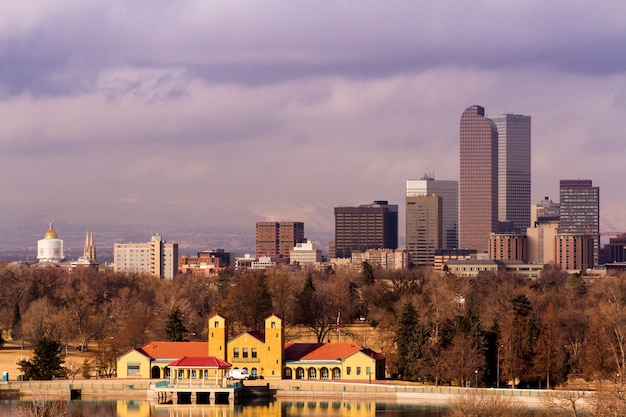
574	253
449	193
305	254
423	228
580	211
541	240
156	257
478	185
277	239
615	250
508	247
382	258
513	169
368	226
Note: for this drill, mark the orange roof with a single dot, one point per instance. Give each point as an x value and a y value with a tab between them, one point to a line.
325	351
172	350
200	362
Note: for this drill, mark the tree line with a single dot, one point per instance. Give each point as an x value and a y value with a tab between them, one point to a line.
492	330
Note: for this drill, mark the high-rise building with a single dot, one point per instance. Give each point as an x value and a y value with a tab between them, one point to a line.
580	211
156	257
277	239
513	170
478	185
449	193
368	226
423	228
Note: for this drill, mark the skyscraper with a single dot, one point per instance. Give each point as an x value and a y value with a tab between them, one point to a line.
513	170
423	228
478	186
580	211
278	238
449	193
368	226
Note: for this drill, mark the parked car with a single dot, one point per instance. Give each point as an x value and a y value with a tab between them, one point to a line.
238	374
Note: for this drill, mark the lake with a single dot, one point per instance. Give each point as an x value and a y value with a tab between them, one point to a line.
276	408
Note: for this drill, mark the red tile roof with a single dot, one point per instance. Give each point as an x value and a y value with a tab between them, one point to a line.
200	362
325	351
171	350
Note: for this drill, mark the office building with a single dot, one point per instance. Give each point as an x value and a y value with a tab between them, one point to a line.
574	253
508	247
580	211
449	193
615	250
513	170
156	257
541	240
277	239
423	229
478	185
368	226
305	254
544	211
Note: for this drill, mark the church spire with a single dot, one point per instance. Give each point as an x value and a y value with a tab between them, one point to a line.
89	251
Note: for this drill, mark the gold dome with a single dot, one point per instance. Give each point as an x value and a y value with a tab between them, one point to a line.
51	233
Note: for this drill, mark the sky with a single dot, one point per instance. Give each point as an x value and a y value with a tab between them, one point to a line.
198	113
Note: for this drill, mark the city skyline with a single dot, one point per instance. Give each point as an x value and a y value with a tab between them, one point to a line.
198	115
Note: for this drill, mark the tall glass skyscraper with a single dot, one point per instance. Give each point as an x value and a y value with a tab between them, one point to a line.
478	185
513	170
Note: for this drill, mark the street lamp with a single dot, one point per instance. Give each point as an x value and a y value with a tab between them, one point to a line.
498	368
476	377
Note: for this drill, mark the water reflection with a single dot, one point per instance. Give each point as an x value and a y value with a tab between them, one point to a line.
276	408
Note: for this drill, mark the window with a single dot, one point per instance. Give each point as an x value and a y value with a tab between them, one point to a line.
216	324
348	370
133	370
273	325
235	352
254	352
368	371
358	370
245	352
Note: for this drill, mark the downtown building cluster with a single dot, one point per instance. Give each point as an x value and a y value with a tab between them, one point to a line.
483	222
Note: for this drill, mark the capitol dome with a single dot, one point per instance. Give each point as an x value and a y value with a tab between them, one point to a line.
51	233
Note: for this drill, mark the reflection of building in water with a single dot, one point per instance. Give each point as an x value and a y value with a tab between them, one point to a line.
278	408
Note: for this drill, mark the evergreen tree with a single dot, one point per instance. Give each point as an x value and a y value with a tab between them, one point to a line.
410	338
47	363
175	330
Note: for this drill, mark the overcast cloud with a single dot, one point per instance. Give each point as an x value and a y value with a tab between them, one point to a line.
205	113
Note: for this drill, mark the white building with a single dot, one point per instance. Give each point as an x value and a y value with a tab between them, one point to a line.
305	254
263	262
156	257
50	248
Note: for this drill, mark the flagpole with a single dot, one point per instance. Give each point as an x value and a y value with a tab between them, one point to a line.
338	324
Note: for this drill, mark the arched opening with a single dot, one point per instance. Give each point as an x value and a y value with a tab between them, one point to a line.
155	372
254	374
288	373
312	373
324	374
299	373
336	373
